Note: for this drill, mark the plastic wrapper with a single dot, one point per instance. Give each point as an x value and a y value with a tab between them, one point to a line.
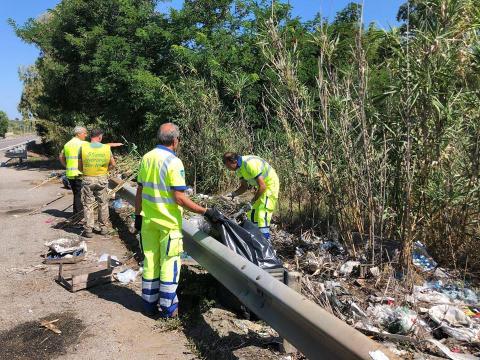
454	323
127	276
65	246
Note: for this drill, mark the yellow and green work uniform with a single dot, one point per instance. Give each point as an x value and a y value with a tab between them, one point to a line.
70	152
249	168
161	172
95	160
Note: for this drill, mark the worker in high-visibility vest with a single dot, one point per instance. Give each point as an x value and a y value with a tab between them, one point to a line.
255	171
95	160
158	215
69	159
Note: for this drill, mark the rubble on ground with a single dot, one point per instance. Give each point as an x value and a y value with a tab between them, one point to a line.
438	315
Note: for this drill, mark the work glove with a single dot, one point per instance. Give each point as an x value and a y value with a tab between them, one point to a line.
213	215
138	222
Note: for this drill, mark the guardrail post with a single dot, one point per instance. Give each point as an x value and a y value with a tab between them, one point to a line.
294	282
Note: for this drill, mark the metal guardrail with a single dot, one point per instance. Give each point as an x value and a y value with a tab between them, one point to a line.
315	332
17	145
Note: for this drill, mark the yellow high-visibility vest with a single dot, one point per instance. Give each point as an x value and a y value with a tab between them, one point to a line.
161	173
95	159
251	167
70	151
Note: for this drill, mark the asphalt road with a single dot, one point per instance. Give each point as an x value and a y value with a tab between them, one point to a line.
5	144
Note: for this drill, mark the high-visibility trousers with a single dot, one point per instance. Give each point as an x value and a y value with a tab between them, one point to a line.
162	248
261	213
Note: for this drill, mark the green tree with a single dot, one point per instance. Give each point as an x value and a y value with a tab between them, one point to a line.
3	123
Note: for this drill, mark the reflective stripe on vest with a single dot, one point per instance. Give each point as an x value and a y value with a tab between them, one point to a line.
70	151
95	159
265	165
264	170
158	202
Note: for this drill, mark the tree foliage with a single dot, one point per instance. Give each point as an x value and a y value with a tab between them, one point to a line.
372	131
3	123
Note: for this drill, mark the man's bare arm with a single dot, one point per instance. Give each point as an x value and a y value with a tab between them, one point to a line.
262	187
243	187
138	200
62	159
112	163
182	200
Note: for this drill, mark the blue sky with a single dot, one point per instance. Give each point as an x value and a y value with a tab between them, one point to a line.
15	53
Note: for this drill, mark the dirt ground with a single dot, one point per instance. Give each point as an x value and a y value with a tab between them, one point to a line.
103	323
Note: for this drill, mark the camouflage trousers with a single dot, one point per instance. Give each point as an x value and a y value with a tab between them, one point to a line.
94	188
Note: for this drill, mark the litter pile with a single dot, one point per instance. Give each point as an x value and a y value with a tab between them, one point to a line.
439	316
65	250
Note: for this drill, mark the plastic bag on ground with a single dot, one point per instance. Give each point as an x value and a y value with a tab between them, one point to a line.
404	321
127	276
454	323
347	268
398	320
247	241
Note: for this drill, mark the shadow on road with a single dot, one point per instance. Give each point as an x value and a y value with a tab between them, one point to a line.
120	295
58	213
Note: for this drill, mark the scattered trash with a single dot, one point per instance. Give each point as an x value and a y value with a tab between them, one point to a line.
428	295
127	276
374	271
400	320
347	268
104	257
404	321
450	354
299	252
65	250
378	355
333	246
50	325
421	258
118	204
435	292
454	323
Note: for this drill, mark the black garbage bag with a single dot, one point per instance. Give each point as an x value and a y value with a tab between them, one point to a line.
247	241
